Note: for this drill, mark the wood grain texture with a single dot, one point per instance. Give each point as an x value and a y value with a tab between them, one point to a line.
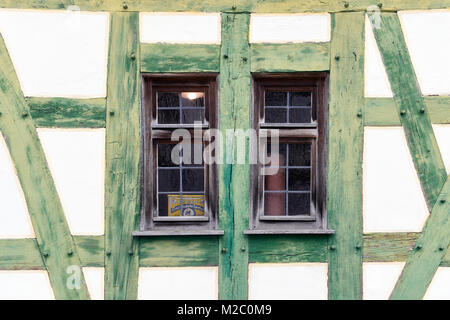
122	186
288	249
268	6
234	114
20	254
67	113
184	251
410	106
345	156
179	58
47	216
290	57
428	252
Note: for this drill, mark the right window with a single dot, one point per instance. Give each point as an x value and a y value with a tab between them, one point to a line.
289	181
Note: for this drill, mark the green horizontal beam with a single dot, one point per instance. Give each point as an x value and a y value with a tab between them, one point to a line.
290	57
226	5
383	111
67	113
179	58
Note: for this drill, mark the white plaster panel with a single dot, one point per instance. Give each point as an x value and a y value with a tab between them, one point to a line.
288	281
95	282
76	158
14	219
163	27
379	279
58	53
196	283
428	40
376	82
439	288
25	285
442	133
392	196
285	28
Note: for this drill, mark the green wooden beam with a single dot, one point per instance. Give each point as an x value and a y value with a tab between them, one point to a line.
176	252
288	248
290	57
268	6
345	155
20	254
410	106
47	216
122	183
67	113
383	112
179	58
234	114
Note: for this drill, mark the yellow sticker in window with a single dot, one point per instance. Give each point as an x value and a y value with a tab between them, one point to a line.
193	205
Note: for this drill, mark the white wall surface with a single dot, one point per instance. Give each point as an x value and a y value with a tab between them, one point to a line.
428	40
58	53
14	219
288	281
160	27
25	285
379	279
194	283
376	82
392	196
76	158
439	288
284	28
94	278
442	133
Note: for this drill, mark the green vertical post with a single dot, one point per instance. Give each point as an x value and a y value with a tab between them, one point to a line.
345	155
234	114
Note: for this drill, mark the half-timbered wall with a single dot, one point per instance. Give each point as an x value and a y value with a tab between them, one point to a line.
70	149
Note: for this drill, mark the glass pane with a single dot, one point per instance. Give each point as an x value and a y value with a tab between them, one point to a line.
300	115
186	205
276	158
192	115
275	115
165	155
300	154
168	180
193	179
196	156
192	99
168	100
275	181
168	116
299	180
274	99
299	204
274	204
300	99
162	205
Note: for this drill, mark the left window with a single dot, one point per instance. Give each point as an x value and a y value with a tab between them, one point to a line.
178	182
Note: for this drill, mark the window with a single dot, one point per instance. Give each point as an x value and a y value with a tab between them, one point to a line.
289	186
179	186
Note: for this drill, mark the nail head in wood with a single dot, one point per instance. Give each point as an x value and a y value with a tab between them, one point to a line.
45	254
224	250
333	247
403	112
111	113
108	252
422	110
25	114
125	5
70	252
133	56
443	200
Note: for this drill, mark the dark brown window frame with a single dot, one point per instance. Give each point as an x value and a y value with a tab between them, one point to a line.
316	133
153	133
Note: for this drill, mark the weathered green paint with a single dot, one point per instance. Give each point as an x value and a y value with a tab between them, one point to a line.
179	58
91	250
67	113
290	57
268	6
234	114
428	252
181	251
383	112
411	107
122	186
345	155
288	248
46	213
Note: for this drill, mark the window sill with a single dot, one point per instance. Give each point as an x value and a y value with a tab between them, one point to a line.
162	233
306	231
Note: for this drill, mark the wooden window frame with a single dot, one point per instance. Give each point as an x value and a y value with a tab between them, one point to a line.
154	133
316	133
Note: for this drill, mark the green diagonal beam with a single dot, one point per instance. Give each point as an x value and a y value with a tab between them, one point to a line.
55	242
